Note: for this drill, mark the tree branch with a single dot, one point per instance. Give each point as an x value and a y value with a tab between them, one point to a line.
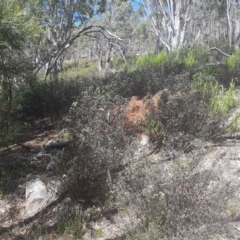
220	51
86	31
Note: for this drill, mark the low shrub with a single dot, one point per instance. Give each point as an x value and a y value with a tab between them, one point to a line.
82	69
197	56
220	101
50	98
233	60
187	108
175	200
183	118
223	102
190	60
152	60
95	157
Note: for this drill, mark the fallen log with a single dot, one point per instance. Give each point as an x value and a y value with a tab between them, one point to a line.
56	144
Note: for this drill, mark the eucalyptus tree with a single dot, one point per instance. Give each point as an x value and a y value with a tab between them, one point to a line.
222	25
186	22
121	19
117	18
233	20
64	21
170	20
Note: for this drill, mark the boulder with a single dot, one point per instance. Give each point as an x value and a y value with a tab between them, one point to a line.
38	195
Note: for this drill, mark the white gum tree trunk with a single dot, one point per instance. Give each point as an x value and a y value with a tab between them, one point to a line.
170	20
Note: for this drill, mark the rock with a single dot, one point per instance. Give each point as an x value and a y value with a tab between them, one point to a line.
36	195
88	235
143	139
223	161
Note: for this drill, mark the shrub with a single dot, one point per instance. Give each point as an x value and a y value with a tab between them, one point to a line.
50	98
233	60
96	154
82	69
152	60
212	70
195	56
223	102
9	124
220	101
176	200
207	85
190	60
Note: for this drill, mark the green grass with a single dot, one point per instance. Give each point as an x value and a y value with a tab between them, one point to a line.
73	226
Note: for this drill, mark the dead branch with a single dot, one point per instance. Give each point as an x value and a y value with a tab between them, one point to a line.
220	51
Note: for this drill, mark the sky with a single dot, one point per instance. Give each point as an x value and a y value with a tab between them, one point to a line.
135	4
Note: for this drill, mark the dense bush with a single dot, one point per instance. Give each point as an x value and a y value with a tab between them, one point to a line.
148	80
196	109
96	154
54	97
100	143
51	98
189	58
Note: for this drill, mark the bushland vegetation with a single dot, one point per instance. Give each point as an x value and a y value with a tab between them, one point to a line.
100	164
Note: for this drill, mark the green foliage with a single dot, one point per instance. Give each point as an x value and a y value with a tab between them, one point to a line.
152	60
233	60
223	102
153	127
219	100
17	29
16	26
207	85
50	98
212	70
64	135
9	125
160	59
188	57
191	57
80	70
99	233
119	63
190	60
98	146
